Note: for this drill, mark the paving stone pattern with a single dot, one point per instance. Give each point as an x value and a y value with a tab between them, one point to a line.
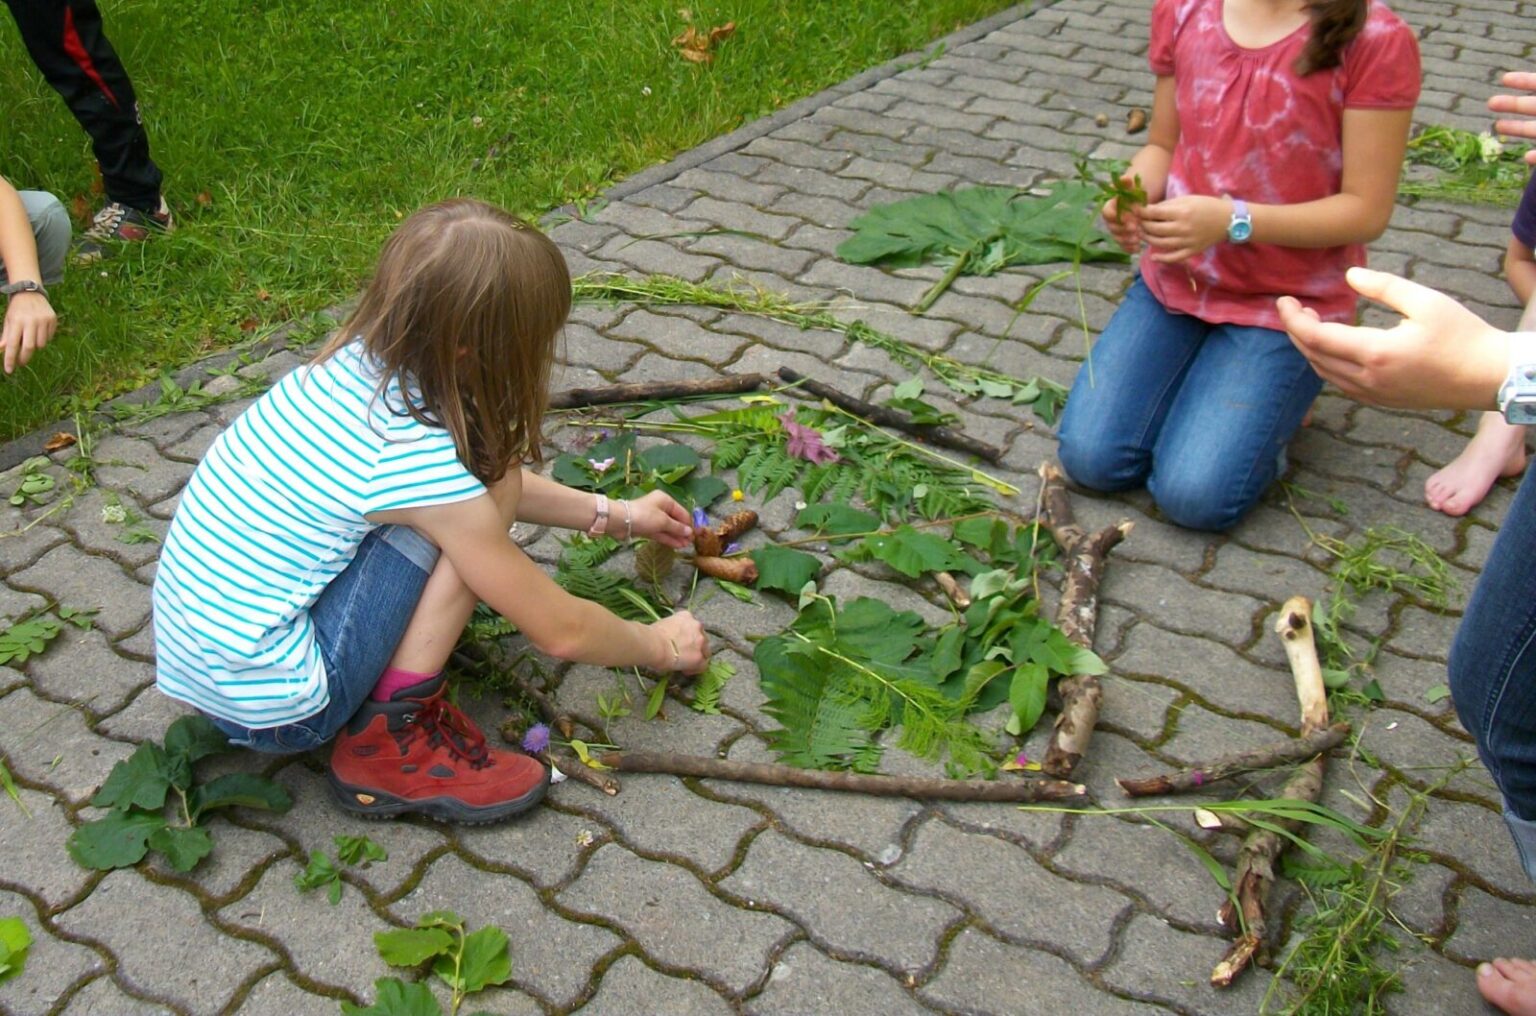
702	897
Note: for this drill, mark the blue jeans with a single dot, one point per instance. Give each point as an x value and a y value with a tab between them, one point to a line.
359	620
1493	669
1198	413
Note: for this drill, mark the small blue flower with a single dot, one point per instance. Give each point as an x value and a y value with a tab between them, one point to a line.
700	519
536	739
732	548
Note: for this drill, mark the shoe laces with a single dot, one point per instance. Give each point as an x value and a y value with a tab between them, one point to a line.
106	221
448	728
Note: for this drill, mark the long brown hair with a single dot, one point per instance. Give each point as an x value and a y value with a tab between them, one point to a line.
463	312
1335	23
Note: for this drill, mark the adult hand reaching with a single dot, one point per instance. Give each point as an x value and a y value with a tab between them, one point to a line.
1440	355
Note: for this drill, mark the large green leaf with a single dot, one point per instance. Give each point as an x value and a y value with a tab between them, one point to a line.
487	960
836	519
238	790
139	781
194	737
120	839
409	947
183	846
1026	694
784	569
15	940
397	998
912	552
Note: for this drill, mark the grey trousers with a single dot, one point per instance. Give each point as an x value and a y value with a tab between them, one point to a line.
50	225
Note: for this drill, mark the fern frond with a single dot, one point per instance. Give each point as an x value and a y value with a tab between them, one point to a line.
768	469
587	551
612	591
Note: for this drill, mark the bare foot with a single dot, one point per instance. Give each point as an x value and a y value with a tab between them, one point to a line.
1497	449
1510	985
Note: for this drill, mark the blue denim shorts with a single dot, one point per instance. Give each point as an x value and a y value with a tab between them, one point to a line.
359	620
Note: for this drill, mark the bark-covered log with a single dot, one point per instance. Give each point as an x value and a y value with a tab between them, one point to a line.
1268	756
1261	849
936	434
1083	556
655	391
922	788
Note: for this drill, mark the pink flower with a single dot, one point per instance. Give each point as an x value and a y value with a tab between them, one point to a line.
805	442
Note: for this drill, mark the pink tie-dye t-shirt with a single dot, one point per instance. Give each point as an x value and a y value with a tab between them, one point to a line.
1249	127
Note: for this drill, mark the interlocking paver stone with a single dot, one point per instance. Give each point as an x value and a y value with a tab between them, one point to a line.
102	997
1077	918
846	907
167	927
629	986
675	919
805	980
1162	964
53	965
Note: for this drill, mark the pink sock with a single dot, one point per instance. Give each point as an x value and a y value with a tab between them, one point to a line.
395	679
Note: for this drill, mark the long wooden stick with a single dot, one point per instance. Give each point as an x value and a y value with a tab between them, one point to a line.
932	433
1083	556
649	391
922	788
1262	848
1267	756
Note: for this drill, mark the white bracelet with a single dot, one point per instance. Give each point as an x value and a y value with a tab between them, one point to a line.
599	520
629	524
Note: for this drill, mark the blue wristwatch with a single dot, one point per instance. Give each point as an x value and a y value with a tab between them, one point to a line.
1240	229
1517	396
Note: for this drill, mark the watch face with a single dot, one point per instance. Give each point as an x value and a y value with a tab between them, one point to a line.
1239	230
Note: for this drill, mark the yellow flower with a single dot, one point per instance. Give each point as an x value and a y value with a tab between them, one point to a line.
737	495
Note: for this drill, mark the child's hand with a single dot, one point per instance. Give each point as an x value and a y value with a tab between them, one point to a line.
1124	221
29	323
685	645
1182	227
656	516
1520	105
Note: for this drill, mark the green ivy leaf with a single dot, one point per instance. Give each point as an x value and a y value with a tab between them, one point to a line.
703	491
238	790
409	947
15	940
836	520
194	738
120	839
183	846
139	781
397	998
784	569
487	960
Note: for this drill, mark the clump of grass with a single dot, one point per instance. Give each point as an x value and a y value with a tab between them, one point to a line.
1338	963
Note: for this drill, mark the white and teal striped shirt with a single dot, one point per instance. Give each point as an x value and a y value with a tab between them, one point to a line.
270	517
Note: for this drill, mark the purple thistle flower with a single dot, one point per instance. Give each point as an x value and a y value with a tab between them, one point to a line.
806	442
536	739
700	519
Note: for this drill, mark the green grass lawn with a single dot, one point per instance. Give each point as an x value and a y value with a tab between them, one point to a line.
294	135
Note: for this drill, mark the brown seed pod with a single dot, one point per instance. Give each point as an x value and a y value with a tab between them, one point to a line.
735	524
740	570
1136	121
706	543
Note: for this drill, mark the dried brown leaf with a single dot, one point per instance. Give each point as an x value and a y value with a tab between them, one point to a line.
63	439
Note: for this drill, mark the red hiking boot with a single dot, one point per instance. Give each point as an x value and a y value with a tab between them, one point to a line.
417	753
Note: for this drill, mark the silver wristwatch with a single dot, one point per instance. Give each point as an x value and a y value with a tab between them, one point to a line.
24	286
1517	396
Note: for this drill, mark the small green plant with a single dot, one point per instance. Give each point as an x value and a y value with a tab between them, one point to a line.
31	635
1108	177
137	789
173	398
8	784
35	485
1473	168
115	513
466	961
322	872
15	941
908	398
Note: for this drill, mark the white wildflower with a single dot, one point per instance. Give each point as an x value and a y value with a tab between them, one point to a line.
114	514
1489	147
